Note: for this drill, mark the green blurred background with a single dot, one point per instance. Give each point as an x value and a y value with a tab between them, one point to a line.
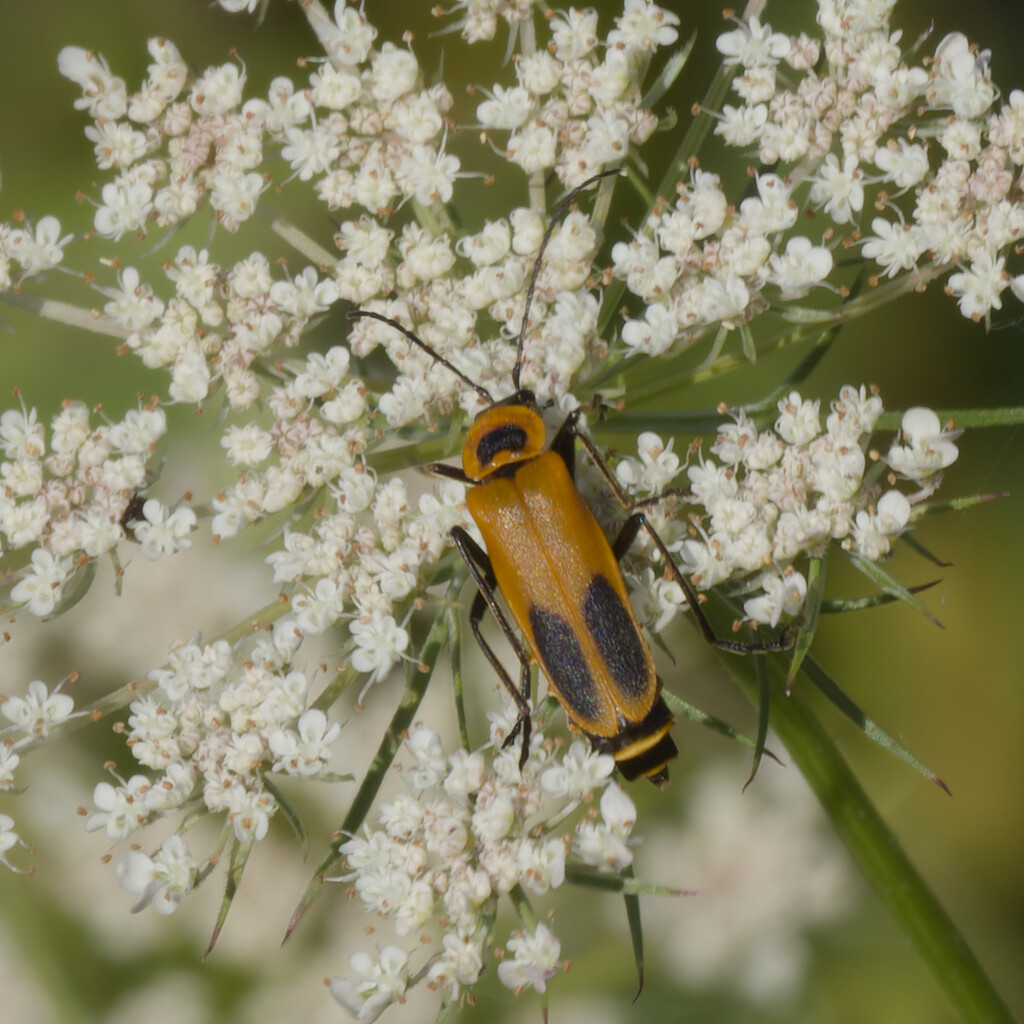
69	951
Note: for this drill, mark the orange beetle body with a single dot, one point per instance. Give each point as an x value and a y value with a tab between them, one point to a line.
561	582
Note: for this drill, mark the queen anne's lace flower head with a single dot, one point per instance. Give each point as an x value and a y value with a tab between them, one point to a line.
864	152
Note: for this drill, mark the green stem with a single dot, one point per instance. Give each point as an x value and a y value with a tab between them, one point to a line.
880	857
523	908
66	313
455	635
418	678
392	460
1012	416
648	379
301	242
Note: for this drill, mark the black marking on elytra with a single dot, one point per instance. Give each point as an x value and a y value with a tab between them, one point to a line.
616	636
562	657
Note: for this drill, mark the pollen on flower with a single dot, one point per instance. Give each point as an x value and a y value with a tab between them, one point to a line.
534	962
926	450
39	710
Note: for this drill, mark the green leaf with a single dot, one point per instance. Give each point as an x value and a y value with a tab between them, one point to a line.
118	571
695	714
391	460
763	707
932	508
916	546
856	604
76	589
455	632
524	909
812	608
335	688
669	73
888	585
290	811
636	930
237	860
835	696
1012	416
591	878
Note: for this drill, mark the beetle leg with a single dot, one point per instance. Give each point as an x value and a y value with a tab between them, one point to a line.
564	442
636	522
479	566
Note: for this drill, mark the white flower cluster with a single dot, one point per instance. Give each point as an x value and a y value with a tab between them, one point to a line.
775	496
363	560
443	311
705	264
479	18
208	731
464	834
361	127
31	717
356	130
577	107
219	718
69	496
33	251
219	325
864	118
366	135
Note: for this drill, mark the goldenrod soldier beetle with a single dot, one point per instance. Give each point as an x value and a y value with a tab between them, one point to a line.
557	572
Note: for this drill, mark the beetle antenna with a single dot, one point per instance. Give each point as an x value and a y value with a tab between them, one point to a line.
356	314
552	224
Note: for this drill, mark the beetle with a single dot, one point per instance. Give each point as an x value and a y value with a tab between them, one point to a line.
557	572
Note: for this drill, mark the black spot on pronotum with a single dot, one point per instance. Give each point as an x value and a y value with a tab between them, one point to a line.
507	438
